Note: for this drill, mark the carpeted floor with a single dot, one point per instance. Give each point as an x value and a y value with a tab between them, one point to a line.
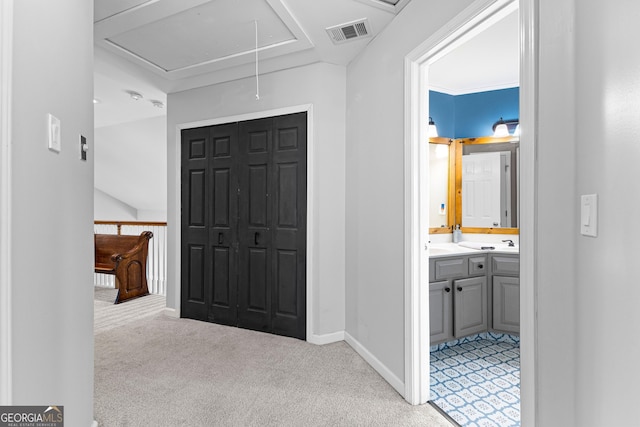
162	371
108	315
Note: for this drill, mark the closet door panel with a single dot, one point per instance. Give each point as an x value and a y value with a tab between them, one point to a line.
289	205
222	223
255	274
195	270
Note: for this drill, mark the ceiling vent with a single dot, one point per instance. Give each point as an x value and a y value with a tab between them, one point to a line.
350	31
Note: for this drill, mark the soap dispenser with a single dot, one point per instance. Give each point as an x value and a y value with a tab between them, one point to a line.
457	234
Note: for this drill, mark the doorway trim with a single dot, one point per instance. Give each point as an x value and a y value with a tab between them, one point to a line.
6	65
462	27
174	229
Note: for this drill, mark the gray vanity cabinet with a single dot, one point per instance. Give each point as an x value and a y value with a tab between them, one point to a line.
470	306
457	297
441	311
505	287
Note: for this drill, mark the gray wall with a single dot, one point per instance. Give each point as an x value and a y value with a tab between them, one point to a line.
52	208
323	86
607	293
375	181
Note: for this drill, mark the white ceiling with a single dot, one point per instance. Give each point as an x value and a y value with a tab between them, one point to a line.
155	47
488	61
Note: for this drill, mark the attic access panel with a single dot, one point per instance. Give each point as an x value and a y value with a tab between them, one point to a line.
202	34
103	9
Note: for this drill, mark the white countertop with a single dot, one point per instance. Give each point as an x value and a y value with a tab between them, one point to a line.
437	250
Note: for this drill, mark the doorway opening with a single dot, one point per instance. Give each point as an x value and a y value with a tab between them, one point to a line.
465	26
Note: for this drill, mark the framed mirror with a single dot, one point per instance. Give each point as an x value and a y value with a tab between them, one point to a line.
441	185
486	185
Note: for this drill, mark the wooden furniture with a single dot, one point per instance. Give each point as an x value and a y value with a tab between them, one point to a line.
126	258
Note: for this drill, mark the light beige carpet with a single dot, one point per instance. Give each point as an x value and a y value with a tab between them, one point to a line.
108	315
162	371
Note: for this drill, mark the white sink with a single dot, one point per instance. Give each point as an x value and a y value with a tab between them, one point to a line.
504	247
440	251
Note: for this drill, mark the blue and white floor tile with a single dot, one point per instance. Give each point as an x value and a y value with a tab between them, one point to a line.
476	381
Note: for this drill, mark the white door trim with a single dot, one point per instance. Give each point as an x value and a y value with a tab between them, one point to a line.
462	27
6	50
174	229
528	212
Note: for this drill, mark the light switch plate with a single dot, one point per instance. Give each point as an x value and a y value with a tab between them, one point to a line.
83	148
589	215
55	143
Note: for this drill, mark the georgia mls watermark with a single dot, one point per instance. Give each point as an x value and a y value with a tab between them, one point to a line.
31	416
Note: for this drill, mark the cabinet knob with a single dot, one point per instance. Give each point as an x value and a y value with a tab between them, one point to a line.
459	288
447	289
480	266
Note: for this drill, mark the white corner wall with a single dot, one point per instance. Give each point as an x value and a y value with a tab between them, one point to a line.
322	86
108	208
51	252
607	152
375	186
131	163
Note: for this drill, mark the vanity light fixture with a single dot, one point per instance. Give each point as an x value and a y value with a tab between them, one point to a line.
503	128
433	130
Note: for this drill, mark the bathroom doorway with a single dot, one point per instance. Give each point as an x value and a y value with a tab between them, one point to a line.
462	28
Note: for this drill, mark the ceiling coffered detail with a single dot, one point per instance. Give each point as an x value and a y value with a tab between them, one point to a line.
192	37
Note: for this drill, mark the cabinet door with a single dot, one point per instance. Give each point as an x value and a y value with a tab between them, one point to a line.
450	268
441	311
470	306
506	304
505	264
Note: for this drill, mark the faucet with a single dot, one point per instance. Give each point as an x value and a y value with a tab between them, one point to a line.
511	244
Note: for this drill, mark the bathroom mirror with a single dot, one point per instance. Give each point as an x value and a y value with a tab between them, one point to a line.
486	185
441	184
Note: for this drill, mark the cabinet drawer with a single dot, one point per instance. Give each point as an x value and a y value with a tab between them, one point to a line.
477	265
450	268
505	265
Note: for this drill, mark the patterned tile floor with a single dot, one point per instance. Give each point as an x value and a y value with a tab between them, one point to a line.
476	381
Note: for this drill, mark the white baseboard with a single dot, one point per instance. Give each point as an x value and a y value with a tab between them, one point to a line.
376	364
171	312
326	338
